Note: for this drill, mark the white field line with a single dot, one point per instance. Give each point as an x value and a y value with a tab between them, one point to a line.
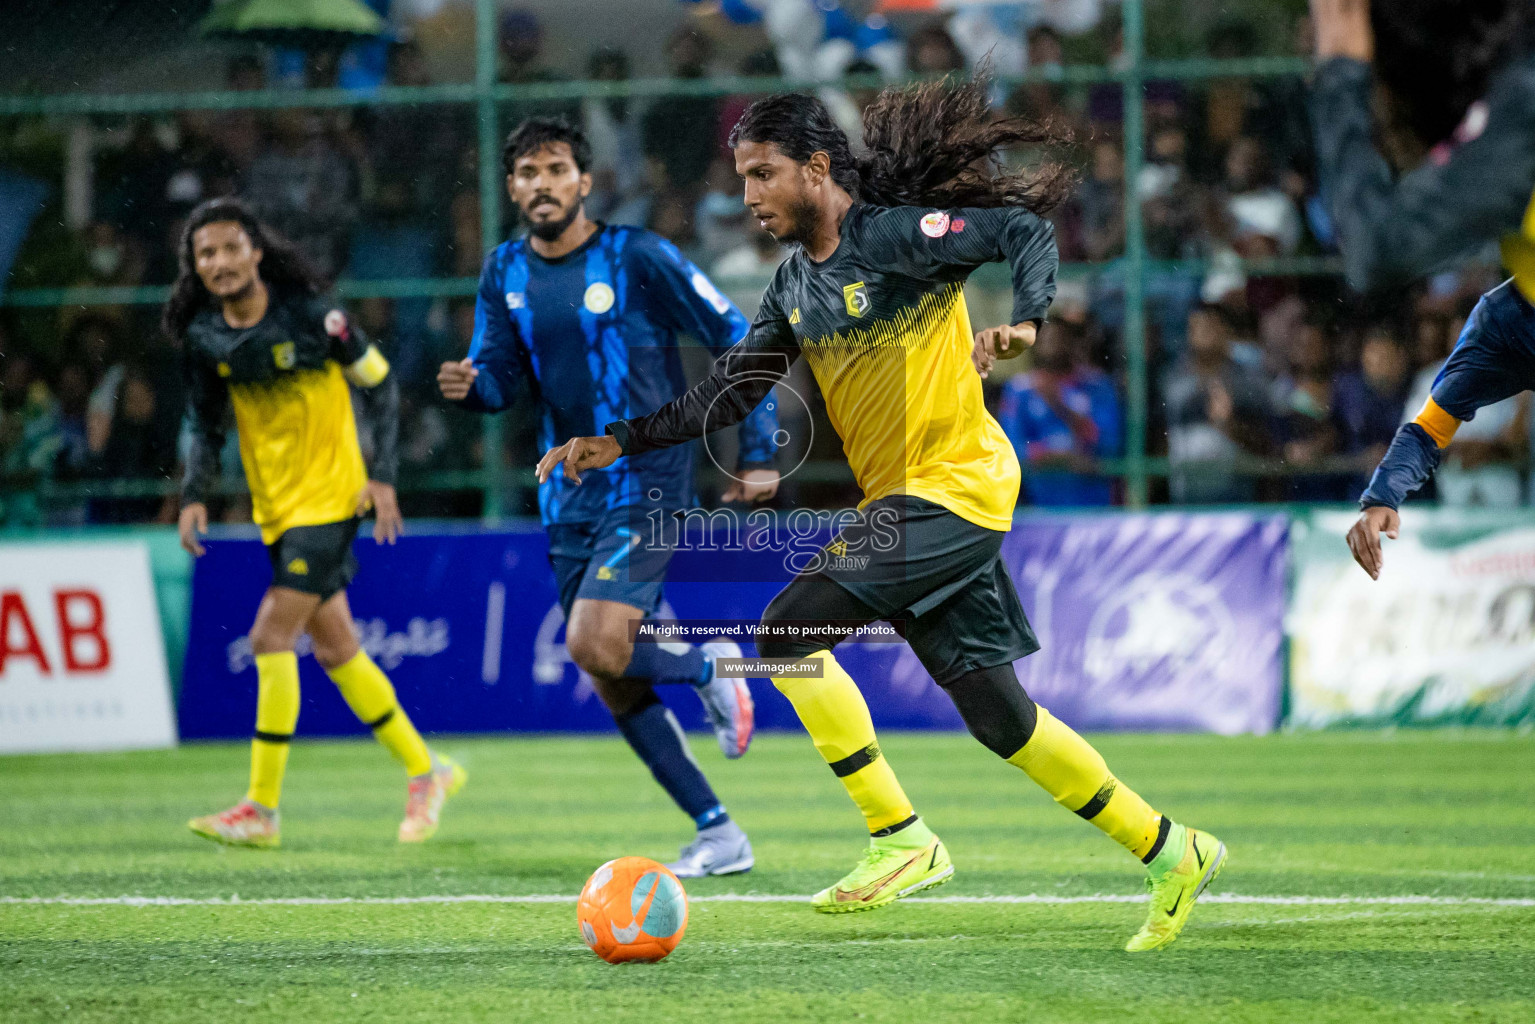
1033	898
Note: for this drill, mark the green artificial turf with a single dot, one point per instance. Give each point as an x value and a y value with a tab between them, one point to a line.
1447	815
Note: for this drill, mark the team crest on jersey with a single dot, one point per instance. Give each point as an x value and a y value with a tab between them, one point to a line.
514	300
225	369
285	355
857	298
599	298
935	224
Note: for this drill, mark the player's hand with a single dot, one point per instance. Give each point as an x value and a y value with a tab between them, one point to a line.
192	524
577	454
388	524
455	380
752	486
1005	342
1364	537
1343	29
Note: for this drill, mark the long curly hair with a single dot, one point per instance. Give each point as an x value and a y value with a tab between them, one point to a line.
1437	57
930	144
284	267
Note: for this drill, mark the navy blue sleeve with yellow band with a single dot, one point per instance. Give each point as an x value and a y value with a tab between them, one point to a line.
1493	360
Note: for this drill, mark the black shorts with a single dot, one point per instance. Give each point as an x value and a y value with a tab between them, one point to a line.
315	559
935	576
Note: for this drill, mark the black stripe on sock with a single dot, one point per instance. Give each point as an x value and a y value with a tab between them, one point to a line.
1100	800
890	830
1156	847
272	737
382	720
856	761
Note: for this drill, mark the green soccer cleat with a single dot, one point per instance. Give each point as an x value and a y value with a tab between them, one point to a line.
885	874
1173	895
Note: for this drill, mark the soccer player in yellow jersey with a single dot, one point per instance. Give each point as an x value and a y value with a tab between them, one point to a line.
257	337
873	299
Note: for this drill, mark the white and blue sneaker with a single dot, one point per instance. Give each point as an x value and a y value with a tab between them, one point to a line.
728	701
721	849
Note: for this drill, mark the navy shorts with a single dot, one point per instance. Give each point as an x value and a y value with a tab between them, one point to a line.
615	558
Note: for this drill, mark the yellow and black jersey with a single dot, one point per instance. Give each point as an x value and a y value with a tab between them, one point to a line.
287	380
884	327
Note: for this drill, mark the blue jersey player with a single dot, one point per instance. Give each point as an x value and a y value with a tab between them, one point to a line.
586	317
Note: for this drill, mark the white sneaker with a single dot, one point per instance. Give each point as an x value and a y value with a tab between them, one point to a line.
721	849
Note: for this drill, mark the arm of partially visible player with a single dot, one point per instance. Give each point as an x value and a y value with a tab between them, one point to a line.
1391	230
1477	374
378	391
490	378
207	412
682	296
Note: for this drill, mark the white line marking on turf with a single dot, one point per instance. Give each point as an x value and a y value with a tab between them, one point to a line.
1031	898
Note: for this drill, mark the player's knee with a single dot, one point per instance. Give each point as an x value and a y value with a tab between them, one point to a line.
624	696
996	709
600	656
331	654
267	638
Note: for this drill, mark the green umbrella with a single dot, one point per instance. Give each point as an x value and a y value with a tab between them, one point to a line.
302	24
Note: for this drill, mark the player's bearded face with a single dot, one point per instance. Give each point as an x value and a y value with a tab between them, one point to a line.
777	192
548	188
225	259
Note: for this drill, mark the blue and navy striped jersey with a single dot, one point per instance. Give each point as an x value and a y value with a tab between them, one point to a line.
594	336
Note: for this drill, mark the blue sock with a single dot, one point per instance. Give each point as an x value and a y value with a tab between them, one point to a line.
657	738
653	662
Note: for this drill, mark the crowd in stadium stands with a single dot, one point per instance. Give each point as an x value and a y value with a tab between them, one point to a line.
1291	371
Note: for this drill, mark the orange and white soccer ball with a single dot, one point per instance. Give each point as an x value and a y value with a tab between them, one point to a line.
632	910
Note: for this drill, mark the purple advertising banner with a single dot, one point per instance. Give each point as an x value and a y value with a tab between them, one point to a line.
1170	622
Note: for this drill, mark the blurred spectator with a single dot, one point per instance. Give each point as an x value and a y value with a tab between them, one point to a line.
1170	200
1216	411
1368	402
759	256
1062	417
1101	198
522	63
1264	220
720	218
680	132
305	187
613	127
671	217
1303	402
932	51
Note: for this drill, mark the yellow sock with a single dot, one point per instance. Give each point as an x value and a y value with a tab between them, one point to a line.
371	697
834	713
276	717
1071	771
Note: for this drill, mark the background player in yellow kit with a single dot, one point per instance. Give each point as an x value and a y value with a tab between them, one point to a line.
257	336
873	299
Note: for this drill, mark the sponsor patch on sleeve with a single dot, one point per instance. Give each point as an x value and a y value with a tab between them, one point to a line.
935	224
